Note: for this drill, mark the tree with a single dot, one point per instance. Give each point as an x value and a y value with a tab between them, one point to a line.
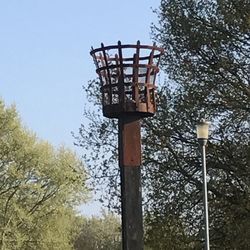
99	233
207	61
207	58
98	137
39	186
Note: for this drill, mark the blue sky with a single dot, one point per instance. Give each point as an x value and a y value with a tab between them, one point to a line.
44	57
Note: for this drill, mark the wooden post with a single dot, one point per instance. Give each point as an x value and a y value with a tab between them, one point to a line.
129	162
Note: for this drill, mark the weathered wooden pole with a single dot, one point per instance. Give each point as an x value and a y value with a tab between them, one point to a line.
129	163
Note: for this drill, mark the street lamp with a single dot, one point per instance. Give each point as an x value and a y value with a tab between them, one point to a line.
202	135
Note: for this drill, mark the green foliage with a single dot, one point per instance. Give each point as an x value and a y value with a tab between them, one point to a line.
207	59
167	233
99	233
99	139
38	188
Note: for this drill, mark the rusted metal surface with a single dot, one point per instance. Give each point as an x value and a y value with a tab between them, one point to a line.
127	75
129	141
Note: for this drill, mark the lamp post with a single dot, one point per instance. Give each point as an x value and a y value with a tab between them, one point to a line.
202	135
127	75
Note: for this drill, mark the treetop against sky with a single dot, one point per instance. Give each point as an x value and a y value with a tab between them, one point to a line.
45	56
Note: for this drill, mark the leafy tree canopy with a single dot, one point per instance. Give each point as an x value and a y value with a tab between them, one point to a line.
39	186
99	233
207	61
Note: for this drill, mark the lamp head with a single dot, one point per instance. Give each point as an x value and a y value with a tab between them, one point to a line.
202	131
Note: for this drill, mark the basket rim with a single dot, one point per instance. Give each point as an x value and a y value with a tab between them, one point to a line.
125	46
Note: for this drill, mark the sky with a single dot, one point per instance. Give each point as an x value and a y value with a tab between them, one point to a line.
45	61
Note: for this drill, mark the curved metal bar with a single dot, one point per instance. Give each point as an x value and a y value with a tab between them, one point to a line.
143	58
128	65
127	46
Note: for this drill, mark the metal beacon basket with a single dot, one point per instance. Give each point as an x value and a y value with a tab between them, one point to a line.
127	74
